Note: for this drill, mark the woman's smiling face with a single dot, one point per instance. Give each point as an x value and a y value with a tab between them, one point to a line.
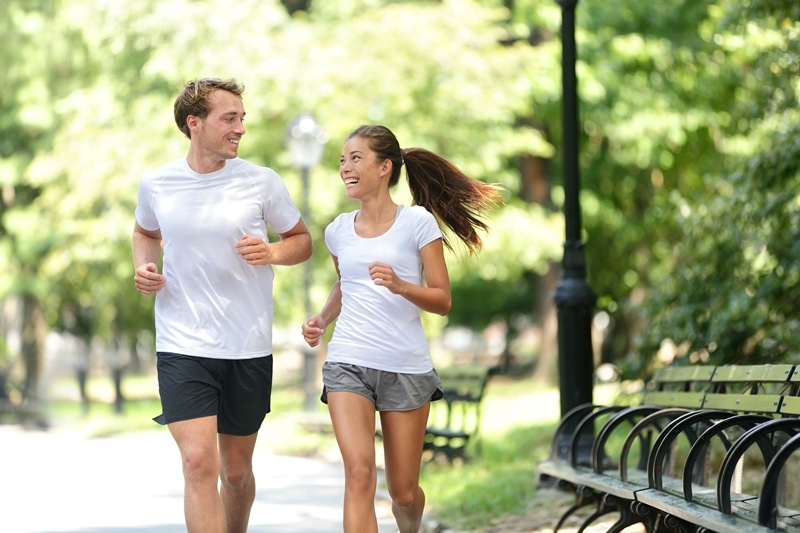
360	169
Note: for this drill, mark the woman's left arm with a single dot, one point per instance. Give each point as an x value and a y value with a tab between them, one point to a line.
434	295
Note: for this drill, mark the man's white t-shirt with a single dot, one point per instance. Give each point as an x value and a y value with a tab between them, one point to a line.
214	304
375	328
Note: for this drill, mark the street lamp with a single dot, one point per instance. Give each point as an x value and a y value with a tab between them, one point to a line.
305	141
574	297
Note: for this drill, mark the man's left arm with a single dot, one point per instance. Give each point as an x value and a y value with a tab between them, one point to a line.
293	248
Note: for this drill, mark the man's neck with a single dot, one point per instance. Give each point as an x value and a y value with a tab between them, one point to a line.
203	165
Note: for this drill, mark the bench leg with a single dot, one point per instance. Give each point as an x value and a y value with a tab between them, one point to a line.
661	522
645	515
628	517
610	504
666	523
583	496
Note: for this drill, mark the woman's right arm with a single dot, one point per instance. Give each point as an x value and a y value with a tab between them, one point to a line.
314	328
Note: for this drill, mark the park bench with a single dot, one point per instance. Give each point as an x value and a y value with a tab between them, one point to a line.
454	421
706	449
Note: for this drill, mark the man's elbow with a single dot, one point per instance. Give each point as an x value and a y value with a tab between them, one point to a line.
307	248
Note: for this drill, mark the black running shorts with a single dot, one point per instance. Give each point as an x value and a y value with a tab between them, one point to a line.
236	391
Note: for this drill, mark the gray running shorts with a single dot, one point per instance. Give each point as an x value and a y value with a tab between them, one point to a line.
389	391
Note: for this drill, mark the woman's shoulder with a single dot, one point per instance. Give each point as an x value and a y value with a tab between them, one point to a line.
417	212
342	219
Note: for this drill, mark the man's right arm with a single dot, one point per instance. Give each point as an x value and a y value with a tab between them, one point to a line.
146	253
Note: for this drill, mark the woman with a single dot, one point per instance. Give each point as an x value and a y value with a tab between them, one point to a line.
390	264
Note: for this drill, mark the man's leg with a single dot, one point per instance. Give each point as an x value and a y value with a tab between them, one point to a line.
238	487
202	505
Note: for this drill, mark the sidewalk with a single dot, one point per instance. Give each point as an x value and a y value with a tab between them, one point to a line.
60	482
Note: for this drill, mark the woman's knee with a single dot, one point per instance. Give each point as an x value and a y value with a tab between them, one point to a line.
406	495
361	475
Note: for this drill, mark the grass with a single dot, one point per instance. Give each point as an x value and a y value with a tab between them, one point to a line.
518	421
519	418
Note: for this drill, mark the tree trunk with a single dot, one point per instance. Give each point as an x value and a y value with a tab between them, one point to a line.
536	189
547	362
34	338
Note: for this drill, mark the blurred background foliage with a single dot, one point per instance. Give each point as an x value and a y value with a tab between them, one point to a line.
689	159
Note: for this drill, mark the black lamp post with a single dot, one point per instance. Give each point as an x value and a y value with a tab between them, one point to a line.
305	141
574	297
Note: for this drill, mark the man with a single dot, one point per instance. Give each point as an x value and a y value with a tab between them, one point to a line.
209	213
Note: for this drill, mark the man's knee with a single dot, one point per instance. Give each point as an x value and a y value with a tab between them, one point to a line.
199	466
236	477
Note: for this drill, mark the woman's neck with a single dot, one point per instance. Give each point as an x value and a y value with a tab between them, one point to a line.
377	211
373	220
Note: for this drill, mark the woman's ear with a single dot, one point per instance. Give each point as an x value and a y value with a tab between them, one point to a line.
386	167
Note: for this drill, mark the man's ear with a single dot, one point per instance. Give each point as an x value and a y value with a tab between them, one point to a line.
193	122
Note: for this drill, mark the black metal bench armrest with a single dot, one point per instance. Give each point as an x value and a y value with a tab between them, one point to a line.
658	421
559	445
768	499
642	418
585	432
745	422
685	423
759	435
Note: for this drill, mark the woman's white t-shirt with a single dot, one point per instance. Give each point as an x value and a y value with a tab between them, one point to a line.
375	328
214	304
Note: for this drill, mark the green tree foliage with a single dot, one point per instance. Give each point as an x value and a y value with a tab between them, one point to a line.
687	150
681	102
727	285
96	112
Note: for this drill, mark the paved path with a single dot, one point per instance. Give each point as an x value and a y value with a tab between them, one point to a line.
56	482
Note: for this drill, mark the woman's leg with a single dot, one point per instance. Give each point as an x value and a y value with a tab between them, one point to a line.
353	418
403	437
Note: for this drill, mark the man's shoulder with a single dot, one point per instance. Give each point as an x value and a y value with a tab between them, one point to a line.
244	166
166	169
239	163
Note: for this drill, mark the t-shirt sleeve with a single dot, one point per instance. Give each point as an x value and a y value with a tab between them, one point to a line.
425	227
280	211
330	235
145	214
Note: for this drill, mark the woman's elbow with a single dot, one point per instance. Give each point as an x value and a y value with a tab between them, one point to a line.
445	306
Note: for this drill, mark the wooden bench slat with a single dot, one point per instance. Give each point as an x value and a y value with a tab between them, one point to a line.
745	373
746	403
790	405
690	400
678	374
